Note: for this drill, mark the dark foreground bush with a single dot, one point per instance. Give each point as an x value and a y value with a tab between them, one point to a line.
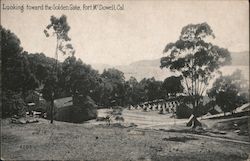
12	104
183	111
84	111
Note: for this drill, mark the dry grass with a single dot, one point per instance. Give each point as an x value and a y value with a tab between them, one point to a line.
67	141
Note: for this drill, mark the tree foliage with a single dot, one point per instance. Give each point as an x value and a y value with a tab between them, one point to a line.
195	59
60	29
16	74
134	92
230	91
113	87
41	66
17	78
152	88
172	85
78	78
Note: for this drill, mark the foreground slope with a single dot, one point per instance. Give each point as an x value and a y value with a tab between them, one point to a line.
67	141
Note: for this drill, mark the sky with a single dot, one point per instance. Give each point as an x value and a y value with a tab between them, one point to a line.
138	32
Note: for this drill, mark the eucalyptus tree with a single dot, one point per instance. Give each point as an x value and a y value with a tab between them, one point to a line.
60	29
196	59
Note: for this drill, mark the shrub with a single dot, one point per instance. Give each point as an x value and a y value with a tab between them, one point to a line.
183	111
203	109
12	104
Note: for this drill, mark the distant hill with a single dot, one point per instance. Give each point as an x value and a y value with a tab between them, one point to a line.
143	71
101	67
151	63
151	68
240	58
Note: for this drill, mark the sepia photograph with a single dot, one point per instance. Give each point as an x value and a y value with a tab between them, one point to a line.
125	80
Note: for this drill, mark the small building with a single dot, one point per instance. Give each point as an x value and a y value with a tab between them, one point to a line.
63	102
243	108
65	110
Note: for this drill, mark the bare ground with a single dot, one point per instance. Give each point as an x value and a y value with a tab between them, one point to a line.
67	141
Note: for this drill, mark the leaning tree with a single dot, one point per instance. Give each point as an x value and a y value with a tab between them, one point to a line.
59	28
196	59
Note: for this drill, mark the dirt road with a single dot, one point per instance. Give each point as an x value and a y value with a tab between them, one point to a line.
146	119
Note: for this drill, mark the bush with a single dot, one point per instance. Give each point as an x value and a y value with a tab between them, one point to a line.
183	111
203	109
12	104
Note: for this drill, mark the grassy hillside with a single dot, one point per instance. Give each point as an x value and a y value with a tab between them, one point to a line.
67	141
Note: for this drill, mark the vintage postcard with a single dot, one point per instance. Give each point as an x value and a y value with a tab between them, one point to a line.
125	80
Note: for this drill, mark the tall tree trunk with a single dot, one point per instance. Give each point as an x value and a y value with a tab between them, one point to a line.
52	100
51	111
195	113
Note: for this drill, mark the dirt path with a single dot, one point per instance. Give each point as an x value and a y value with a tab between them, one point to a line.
154	120
145	119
